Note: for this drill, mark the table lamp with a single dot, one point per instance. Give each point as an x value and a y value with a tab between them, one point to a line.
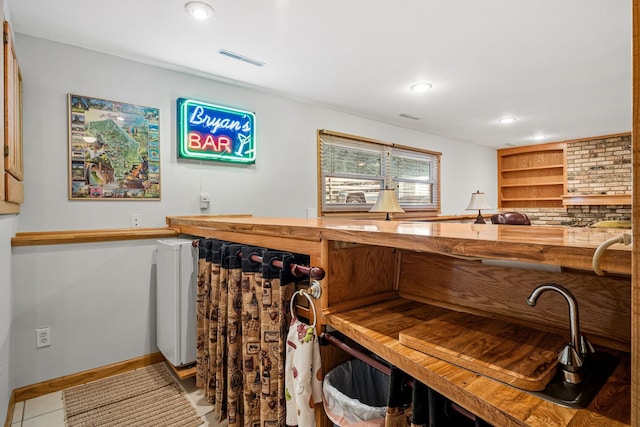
386	202
478	202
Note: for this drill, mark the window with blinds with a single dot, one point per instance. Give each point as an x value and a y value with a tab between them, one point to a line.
352	171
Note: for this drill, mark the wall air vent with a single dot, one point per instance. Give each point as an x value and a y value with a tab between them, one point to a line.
241	57
408	116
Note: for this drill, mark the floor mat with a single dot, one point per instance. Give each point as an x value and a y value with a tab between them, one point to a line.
145	397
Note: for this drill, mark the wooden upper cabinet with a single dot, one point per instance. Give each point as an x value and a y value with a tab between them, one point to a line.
13	190
533	176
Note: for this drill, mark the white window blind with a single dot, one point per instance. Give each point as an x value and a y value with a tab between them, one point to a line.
353	170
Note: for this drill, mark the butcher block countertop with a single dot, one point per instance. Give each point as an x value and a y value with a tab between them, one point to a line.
523	357
377	324
571	247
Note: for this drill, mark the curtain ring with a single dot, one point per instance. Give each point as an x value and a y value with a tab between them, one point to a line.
311	305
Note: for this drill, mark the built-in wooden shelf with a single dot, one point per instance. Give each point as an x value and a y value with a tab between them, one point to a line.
532	168
538	184
595	199
532	176
530	198
378	326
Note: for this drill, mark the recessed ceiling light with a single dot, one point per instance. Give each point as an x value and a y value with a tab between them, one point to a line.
538	137
506	120
199	10
420	87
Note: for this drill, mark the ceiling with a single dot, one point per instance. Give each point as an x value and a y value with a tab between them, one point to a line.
562	68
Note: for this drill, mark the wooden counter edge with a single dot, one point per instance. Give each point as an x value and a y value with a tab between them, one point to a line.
173	218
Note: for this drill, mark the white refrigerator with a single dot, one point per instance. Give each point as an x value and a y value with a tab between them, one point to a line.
176	285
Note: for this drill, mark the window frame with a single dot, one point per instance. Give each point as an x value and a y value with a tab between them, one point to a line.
388	150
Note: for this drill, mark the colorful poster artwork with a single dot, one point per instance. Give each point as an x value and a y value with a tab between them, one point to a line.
114	150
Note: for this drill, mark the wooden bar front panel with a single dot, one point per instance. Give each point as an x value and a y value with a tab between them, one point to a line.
357	272
494	291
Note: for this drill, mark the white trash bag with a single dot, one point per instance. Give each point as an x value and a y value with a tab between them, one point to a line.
355	395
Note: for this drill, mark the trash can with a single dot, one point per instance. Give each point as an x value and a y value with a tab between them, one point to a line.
355	395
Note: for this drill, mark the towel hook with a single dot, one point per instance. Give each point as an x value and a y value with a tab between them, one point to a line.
314	290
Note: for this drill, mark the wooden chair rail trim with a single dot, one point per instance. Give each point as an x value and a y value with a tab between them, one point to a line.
35	238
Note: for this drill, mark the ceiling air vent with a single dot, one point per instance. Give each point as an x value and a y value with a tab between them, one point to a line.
408	116
241	57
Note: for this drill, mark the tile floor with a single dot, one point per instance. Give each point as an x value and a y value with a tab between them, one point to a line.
47	410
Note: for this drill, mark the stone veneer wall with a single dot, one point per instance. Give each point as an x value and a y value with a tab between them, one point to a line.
576	216
599	165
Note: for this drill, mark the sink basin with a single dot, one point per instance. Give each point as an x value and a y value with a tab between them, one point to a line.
578	396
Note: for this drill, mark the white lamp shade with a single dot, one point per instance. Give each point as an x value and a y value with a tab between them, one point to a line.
387	202
478	202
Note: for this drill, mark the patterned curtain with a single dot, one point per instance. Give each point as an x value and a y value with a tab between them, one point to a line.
204	278
242	322
232	264
398	400
251	288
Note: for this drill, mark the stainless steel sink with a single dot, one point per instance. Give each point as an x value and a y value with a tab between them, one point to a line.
597	370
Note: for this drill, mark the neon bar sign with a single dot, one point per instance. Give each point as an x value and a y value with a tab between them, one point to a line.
211	132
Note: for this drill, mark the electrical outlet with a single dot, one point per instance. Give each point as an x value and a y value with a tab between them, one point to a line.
136	220
43	337
205	200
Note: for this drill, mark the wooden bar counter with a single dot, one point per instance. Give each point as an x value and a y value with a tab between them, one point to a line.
565	246
383	277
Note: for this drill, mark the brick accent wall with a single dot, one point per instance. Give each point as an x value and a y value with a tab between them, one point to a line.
577	216
599	166
594	166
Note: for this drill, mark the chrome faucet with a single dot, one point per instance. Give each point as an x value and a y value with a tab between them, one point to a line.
573	355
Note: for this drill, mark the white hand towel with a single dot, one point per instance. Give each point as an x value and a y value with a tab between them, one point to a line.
303	374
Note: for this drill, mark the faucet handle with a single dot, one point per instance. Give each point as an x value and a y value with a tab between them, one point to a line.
570	365
585	346
569	358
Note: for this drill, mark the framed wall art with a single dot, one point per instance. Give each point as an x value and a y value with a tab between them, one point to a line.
114	150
